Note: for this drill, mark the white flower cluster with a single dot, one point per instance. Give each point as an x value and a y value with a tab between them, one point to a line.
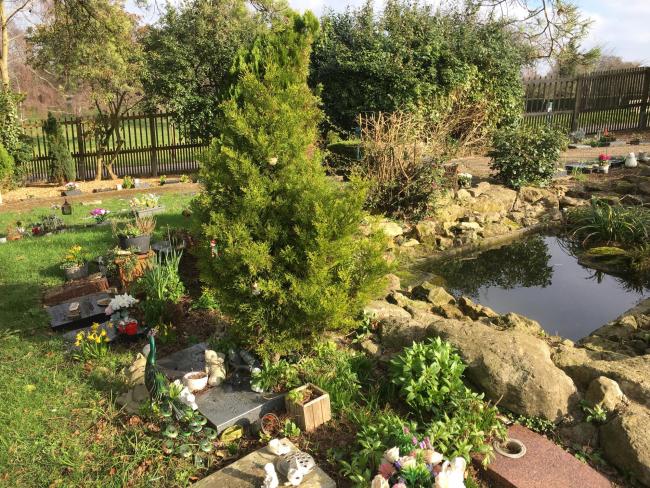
122	301
185	395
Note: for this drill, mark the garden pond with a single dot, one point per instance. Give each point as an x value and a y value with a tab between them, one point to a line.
539	277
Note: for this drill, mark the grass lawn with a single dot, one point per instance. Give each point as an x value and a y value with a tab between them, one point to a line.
60	426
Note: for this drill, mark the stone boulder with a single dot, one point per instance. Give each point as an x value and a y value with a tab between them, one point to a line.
436	295
604	392
426	231
382	310
392	283
625	441
391	229
631	373
397	333
515	321
512	367
479	189
475	311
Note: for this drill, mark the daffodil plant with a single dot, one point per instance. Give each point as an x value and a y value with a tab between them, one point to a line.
92	344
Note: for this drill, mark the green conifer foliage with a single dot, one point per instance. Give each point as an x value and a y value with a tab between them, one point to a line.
288	261
62	167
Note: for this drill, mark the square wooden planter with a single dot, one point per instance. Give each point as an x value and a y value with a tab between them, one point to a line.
312	414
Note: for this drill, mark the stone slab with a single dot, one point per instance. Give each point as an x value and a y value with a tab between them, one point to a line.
176	365
222	405
544	465
90	312
227	405
248	472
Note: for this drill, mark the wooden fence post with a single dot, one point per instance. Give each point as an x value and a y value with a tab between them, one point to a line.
154	145
81	160
645	105
576	105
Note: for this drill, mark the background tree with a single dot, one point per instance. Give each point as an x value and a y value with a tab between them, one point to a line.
410	54
93	46
189	53
547	26
572	61
288	261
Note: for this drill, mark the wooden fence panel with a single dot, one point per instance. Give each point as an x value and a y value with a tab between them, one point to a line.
613	100
146	145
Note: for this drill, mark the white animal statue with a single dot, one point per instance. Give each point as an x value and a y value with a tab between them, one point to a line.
271	478
452	474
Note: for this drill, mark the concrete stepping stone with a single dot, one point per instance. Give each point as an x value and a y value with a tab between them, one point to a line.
544	465
248	472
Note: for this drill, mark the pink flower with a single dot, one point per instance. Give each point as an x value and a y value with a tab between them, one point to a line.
399	485
108	311
386	470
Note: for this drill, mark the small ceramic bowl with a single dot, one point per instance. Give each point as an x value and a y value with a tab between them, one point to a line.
196	380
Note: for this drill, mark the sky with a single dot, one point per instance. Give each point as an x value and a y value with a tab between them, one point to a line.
620	27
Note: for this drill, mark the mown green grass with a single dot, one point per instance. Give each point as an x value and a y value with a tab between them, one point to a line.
60	426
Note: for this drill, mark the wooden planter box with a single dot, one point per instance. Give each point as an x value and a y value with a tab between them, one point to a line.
312	414
140	268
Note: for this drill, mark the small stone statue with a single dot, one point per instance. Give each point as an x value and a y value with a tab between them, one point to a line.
271	478
215	366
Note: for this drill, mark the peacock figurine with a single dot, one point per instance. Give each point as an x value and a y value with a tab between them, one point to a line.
171	398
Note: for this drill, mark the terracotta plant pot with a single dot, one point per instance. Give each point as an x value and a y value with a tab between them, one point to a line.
312	413
76	272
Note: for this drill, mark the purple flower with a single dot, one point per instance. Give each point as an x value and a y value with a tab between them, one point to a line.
414	440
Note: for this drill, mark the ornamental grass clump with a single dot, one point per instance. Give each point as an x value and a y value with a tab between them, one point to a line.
601	222
278	242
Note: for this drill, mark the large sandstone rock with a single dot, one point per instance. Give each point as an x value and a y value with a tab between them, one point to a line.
391	229
625	441
604	392
436	295
397	333
512	367
515	321
381	310
475	311
426	231
583	366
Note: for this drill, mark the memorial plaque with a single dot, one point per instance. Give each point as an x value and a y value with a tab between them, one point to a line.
89	311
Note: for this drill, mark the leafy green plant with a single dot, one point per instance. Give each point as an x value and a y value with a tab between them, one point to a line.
185	179
162	179
128	182
7	167
594	414
139	226
578	175
161	284
525	155
536	424
206	301
602	222
428	375
276	376
290	429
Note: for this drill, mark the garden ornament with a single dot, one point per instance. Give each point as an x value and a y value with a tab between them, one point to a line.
278	448
452	474
215	366
379	482
295	466
271	479
630	161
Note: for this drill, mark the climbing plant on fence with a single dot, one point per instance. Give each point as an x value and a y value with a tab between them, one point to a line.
151	144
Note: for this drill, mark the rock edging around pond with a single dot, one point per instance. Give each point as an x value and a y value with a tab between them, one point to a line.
516	364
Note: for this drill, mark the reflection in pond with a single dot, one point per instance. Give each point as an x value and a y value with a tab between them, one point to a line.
539	277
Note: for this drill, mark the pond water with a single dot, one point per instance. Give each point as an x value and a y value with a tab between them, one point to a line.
538	277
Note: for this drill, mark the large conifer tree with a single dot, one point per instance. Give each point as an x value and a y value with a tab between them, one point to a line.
287	260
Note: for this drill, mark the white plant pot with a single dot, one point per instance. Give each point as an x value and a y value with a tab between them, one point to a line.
630	161
195	380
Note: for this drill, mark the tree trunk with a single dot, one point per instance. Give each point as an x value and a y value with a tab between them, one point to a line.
99	167
4	52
